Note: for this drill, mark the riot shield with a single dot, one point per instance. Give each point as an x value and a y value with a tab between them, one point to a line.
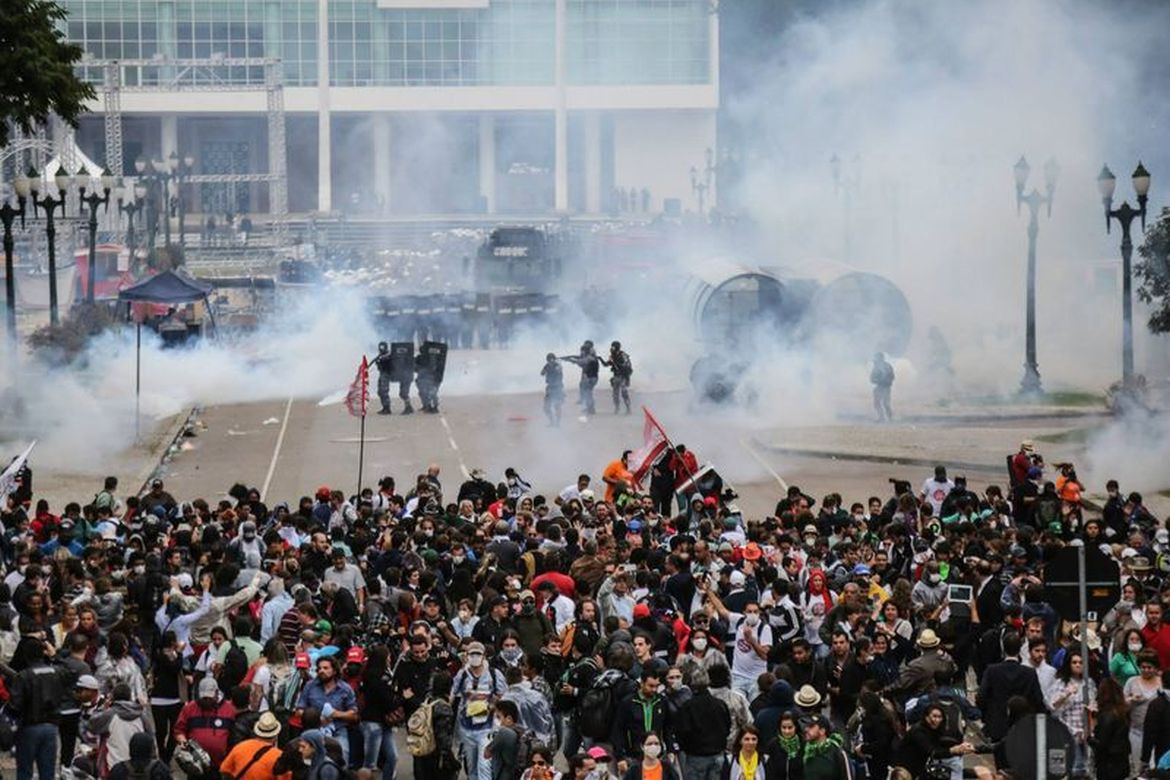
402	361
432	356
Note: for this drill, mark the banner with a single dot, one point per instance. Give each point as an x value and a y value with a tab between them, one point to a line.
654	443
357	400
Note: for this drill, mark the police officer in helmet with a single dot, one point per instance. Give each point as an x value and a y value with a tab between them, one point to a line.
382	361
619	363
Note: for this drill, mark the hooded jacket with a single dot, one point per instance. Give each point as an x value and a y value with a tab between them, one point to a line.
778	701
322	767
116	727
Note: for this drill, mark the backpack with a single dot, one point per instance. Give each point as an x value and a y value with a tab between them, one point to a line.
595	709
235	667
525	742
420	730
342	772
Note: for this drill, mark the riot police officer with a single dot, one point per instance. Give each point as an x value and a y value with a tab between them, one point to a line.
590	365
882	379
554	389
621	366
428	387
383	362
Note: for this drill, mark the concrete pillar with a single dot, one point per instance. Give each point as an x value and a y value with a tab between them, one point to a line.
593	162
324	131
561	164
169	140
487	161
382	160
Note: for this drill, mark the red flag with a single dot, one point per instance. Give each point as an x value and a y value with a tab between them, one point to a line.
358	398
654	443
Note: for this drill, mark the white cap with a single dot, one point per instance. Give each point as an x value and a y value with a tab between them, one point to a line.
185	580
737	578
1128	552
586	494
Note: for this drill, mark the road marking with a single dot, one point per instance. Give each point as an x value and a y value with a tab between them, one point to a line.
752	451
454	446
276	449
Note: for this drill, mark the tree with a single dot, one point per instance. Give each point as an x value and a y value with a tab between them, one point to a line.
37	76
1153	272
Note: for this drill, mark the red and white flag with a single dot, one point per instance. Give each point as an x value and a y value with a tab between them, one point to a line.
654	443
357	400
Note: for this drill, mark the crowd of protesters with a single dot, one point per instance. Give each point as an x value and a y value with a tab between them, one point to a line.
589	632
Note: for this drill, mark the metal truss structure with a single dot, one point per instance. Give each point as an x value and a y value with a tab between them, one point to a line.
203	75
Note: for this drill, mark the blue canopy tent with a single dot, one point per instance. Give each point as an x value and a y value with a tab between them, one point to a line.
167	288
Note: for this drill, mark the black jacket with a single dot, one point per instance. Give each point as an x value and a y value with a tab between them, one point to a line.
1156	734
702	725
778	765
630	724
37	694
1111	742
922	744
1000	682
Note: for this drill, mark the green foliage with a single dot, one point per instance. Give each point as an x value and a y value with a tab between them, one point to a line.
1152	271
60	344
37	76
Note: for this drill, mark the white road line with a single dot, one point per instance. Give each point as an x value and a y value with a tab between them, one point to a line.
276	449
455	447
752	451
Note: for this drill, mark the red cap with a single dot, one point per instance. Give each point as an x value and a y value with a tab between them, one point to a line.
355	655
303	661
324	492
641	611
752	551
710	501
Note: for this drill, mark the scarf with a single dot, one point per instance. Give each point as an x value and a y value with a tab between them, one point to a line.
824	595
749	765
790	744
815	749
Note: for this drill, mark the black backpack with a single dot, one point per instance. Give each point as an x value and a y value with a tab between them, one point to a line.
595	710
234	669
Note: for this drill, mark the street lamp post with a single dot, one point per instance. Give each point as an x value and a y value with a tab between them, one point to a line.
181	170
133	205
701	180
156	175
50	204
8	215
1125	214
1030	384
93	200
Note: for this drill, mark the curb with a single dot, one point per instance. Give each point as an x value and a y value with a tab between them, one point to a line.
868	458
170	440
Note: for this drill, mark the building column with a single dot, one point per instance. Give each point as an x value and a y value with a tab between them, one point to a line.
169	140
593	162
382	161
561	164
487	161
324	131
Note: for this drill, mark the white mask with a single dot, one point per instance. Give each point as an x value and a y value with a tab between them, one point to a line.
652	751
699	644
475	659
1135	647
457	559
751	620
934	579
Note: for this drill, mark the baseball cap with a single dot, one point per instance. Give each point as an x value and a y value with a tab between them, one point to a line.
634	525
725	547
185	580
527	594
323	492
737	578
89	682
598	754
302	661
355	655
323	626
641	611
586	494
475	647
208	687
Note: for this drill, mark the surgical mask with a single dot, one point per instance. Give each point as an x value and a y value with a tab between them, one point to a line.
475	659
751	620
699	644
458	559
511	654
428	532
139	569
934	579
652	751
1135	647
308	761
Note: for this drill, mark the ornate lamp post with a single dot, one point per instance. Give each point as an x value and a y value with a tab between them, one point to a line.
701	180
1030	384
181	170
8	215
1125	214
93	200
50	205
135	201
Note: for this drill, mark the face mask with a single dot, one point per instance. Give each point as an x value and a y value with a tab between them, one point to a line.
699	644
528	609
139	569
652	751
475	659
499	722
511	482
457	559
751	620
934	579
674	685
511	654
249	537
428	532
1135	647
308	761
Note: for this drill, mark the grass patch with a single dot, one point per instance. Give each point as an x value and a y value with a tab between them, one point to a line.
1074	436
1074	398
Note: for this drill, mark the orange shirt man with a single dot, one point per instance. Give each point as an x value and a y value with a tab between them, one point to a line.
618	474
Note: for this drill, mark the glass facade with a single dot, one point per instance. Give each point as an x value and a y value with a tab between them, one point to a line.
511	42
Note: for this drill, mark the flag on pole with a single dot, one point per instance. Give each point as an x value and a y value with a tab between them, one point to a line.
357	400
654	443
11	474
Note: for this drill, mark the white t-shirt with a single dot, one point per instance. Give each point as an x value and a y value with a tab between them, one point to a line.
569	493
745	662
936	492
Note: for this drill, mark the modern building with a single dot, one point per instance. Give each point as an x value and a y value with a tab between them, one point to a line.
401	107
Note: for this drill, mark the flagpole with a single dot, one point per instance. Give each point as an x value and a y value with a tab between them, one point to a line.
361	454
669	443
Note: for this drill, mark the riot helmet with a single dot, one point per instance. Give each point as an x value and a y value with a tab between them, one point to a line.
587	346
550	357
615	346
383	346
